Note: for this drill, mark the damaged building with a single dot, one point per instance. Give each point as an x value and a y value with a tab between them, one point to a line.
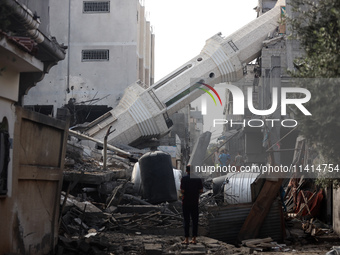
110	45
273	142
32	145
101	186
100	64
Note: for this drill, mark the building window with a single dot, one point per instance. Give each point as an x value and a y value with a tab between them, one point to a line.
95	55
96	6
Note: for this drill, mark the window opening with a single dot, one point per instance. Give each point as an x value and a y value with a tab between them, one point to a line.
95	55
96	6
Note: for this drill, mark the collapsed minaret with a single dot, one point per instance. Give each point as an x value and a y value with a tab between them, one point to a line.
143	113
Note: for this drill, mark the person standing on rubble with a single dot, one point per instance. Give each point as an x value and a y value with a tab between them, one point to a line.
238	161
224	158
216	158
190	189
216	163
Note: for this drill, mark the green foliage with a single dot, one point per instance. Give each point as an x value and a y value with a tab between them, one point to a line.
323	127
317	28
316	25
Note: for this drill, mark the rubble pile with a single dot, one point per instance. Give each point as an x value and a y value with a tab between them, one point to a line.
119	243
303	207
102	212
96	228
303	197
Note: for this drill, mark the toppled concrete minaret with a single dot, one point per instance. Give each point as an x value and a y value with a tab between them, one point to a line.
143	113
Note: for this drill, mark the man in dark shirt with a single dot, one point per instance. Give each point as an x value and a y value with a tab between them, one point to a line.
191	189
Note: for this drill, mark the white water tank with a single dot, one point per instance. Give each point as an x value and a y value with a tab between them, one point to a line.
237	190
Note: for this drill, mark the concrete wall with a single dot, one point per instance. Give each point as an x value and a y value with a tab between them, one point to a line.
9	81
117	31
13	61
29	209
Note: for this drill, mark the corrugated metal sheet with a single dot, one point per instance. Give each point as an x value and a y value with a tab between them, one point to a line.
225	222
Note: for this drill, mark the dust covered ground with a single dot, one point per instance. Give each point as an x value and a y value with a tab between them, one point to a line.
137	243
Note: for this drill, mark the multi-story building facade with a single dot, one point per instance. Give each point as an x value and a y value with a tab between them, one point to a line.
110	45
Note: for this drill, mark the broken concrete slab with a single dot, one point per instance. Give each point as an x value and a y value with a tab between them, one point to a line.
197	247
208	240
153	249
71	201
193	252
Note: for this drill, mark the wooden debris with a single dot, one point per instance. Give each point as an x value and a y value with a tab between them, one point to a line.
306	204
311	229
117	195
259	210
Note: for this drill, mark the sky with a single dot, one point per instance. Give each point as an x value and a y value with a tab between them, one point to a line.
181	28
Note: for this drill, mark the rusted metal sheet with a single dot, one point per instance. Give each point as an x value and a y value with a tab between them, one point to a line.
225	222
252	225
30	215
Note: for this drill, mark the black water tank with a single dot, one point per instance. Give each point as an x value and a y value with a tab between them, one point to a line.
157	177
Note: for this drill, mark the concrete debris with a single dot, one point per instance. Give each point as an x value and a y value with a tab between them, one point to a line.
264	244
90	229
335	251
103	212
83	206
302	203
122	243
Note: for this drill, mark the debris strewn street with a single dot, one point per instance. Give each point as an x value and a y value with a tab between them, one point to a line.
107	215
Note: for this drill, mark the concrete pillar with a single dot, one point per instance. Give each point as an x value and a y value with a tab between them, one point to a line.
152	66
275	82
147	53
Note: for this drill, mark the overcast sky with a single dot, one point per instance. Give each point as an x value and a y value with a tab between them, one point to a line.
181	28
